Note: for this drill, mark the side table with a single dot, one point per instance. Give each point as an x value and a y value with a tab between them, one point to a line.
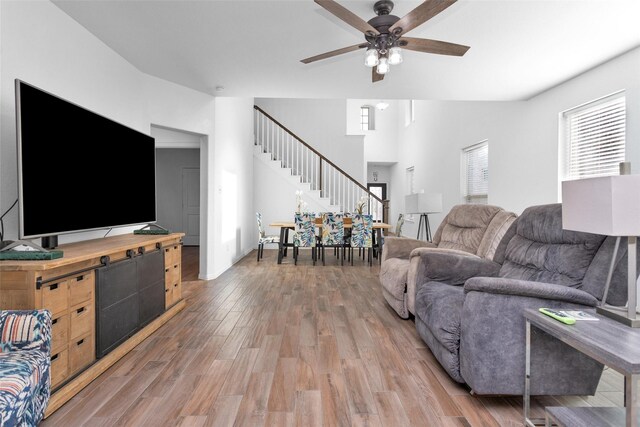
610	343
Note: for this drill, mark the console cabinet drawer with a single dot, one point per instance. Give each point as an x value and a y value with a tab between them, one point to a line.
81	320
81	289
172	255
55	297
59	332
81	353
59	367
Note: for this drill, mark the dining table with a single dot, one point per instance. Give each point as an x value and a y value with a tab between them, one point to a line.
285	226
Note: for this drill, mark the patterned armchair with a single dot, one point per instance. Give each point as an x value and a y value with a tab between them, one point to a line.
332	232
361	234
304	235
263	238
25	351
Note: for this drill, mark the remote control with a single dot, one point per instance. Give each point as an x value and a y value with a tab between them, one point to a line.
558	315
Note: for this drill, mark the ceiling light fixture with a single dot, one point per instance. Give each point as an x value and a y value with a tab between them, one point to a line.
371	58
383	66
395	55
382	105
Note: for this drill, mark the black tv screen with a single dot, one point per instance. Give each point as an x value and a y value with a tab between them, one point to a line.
78	170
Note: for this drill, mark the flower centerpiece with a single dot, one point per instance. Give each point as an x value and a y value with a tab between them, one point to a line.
301	205
362	202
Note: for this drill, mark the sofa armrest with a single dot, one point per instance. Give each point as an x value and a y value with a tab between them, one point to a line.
450	266
25	330
401	247
525	288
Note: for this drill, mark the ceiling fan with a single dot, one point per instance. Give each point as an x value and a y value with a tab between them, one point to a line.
384	34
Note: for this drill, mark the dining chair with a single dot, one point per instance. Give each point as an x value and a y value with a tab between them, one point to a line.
361	234
263	239
399	225
304	235
332	233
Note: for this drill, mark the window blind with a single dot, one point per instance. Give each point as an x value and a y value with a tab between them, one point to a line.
477	171
595	138
410	180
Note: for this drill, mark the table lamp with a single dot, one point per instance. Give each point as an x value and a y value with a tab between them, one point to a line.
423	204
610	206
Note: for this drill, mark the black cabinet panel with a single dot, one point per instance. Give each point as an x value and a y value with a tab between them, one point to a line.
129	294
150	269
117	322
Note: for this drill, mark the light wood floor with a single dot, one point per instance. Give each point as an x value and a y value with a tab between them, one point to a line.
280	345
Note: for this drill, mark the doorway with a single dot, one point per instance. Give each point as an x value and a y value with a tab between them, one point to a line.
380	190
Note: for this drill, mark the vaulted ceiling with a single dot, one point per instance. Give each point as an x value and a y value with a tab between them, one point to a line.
253	48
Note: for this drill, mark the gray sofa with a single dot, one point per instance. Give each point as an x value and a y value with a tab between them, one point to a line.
469	229
477	332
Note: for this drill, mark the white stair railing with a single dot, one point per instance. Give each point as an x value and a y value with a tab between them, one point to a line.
314	168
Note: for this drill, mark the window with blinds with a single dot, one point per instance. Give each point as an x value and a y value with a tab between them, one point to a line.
410	180
595	138
476	163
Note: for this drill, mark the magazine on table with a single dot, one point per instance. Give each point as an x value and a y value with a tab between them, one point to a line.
580	315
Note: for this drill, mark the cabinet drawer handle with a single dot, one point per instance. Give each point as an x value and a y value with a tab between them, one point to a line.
175	247
175	266
176	285
166	270
80	278
166	250
80	342
54	357
166	290
54	321
80	310
53	287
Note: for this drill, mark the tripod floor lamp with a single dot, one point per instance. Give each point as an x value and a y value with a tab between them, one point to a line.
609	206
423	204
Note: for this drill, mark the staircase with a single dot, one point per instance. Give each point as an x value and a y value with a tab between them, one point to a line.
318	176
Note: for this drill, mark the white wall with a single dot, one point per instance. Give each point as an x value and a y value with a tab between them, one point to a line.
384	174
433	144
276	205
233	217
380	144
45	47
321	123
523	140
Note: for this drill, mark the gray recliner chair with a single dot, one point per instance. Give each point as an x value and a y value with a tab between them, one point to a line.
470	229
477	331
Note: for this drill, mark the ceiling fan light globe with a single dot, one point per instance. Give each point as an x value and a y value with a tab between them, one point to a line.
371	58
383	66
395	56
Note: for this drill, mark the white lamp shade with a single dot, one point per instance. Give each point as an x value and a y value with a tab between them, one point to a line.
606	205
423	203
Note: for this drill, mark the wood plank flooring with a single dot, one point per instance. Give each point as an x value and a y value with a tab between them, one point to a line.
284	345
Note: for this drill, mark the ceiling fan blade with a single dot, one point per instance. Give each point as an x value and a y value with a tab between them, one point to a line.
420	15
347	16
333	53
433	46
375	77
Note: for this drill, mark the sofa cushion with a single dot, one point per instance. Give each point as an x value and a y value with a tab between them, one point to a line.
439	306
541	251
495	232
464	226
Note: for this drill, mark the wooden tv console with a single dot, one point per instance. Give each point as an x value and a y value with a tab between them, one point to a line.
67	288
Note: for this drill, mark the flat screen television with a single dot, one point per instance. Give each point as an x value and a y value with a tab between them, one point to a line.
78	170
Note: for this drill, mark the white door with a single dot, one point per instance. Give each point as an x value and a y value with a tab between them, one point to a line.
191	206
